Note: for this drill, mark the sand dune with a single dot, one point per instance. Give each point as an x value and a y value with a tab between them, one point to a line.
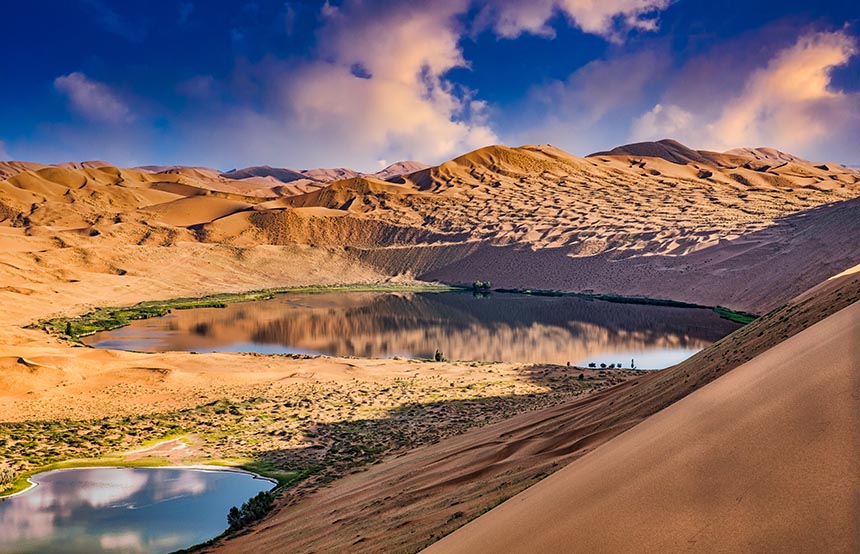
281	174
712	228
186	212
412	500
761	460
285	176
750	229
671	151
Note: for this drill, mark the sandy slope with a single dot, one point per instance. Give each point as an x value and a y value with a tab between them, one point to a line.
748	229
737	229
761	460
412	500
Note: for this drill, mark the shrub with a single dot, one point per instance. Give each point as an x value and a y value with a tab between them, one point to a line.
592	364
253	510
438	356
7	476
482	285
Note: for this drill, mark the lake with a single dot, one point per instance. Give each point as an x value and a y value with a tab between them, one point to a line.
140	510
463	326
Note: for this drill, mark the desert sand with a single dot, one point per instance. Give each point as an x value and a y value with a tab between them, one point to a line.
750	229
413	500
761	460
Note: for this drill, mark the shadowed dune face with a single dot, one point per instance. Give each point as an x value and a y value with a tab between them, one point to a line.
501	327
761	460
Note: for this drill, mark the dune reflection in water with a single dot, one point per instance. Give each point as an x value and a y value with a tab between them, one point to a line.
501	327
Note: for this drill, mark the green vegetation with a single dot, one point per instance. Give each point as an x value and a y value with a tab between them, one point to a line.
253	510
7	477
479	286
738	317
284	477
105	319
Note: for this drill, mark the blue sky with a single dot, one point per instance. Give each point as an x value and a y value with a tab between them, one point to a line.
362	83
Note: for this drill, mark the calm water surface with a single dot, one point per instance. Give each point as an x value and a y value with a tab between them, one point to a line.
500	327
141	510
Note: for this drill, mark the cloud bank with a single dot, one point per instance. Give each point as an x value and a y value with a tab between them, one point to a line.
789	102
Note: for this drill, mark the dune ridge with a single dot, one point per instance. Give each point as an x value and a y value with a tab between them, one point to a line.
711	228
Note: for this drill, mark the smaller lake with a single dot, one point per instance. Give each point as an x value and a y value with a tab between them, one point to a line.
498	327
139	510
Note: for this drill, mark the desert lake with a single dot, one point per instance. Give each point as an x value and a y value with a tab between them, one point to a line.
462	326
129	510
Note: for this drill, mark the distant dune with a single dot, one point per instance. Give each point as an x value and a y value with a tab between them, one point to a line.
669	150
281	174
323	175
654	219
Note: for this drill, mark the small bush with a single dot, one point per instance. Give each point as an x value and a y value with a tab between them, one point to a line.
439	357
252	510
7	477
482	285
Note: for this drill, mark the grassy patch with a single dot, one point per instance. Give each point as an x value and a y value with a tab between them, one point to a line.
107	318
738	317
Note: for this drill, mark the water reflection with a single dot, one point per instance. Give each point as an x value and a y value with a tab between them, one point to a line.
122	510
501	327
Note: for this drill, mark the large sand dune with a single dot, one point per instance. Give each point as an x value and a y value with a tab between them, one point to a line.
761	460
417	498
748	229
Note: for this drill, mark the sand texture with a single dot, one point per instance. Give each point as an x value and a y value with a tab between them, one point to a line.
744	447
761	460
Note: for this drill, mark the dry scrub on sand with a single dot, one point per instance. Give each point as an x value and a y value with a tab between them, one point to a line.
313	427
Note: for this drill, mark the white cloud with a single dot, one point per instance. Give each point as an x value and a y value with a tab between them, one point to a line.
788	103
92	99
660	122
4	153
399	106
607	18
377	86
790	99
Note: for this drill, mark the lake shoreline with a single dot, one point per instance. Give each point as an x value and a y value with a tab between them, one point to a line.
131	465
110	318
